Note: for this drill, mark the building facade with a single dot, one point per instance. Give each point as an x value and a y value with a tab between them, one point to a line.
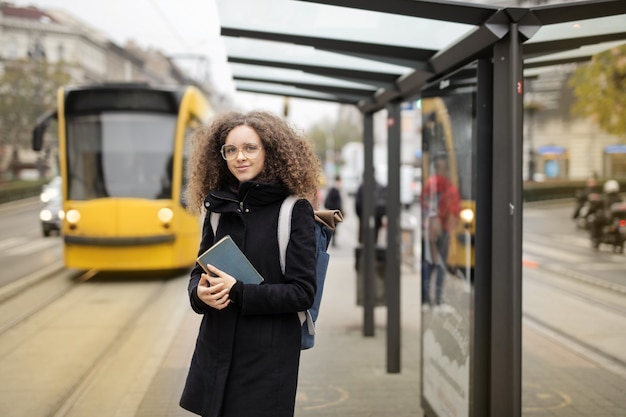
56	36
29	35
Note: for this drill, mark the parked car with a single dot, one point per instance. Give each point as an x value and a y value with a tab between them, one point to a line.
51	190
51	216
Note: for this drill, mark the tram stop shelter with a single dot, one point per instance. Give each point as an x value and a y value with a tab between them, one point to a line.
467	63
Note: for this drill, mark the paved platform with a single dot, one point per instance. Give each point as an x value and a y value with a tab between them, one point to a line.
345	373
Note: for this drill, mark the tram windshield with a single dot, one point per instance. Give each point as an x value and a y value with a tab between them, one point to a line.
120	154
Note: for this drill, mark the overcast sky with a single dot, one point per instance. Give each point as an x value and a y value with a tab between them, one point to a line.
177	28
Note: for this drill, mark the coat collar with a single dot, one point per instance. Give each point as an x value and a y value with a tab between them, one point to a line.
251	193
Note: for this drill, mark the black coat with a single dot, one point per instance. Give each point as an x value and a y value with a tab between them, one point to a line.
247	355
333	199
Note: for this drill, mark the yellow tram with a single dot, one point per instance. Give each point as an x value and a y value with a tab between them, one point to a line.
122	155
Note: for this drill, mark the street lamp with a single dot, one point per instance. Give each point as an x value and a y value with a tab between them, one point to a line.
330	155
38	54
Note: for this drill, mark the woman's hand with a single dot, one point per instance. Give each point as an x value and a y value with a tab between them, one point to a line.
213	291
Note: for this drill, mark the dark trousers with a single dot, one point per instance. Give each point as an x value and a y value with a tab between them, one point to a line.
378	224
435	264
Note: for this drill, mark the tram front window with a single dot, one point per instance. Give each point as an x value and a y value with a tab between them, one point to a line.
120	155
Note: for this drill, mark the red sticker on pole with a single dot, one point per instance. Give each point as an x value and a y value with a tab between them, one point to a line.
519	87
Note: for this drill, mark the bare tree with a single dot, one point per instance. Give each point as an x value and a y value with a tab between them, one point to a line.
28	88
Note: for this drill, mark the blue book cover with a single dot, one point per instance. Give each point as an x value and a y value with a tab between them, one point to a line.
226	256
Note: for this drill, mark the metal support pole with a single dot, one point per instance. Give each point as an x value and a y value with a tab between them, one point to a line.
392	268
368	254
506	314
481	338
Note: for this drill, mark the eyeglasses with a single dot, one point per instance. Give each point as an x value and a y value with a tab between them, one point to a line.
250	150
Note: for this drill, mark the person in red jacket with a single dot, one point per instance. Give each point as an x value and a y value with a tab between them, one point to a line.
441	205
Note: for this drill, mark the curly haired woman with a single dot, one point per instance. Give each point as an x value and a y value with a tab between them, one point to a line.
248	348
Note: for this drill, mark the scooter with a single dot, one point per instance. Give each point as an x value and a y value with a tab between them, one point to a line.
611	229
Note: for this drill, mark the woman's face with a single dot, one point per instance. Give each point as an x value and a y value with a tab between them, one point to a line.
248	155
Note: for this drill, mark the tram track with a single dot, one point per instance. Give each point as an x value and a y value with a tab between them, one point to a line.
586	279
610	288
578	345
606	301
12	289
573	295
99	340
86	382
25	297
36	291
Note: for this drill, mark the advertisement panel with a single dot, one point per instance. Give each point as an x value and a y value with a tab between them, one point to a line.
448	207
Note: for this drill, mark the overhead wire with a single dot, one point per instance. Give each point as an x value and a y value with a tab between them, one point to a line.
168	23
155	6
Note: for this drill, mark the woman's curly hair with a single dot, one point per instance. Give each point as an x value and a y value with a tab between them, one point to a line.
289	157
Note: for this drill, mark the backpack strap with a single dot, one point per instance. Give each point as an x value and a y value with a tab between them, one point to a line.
284	232
284	228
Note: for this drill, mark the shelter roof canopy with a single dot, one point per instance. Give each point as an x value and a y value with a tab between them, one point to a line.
388	49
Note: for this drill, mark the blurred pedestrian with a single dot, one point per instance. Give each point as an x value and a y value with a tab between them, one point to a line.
247	353
380	208
333	201
441	204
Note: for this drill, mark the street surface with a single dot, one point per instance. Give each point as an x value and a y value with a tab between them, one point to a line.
76	344
23	249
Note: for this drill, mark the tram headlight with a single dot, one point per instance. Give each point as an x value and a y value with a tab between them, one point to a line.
165	215
467	215
72	216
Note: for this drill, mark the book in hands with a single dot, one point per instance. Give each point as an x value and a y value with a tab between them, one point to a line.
226	256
